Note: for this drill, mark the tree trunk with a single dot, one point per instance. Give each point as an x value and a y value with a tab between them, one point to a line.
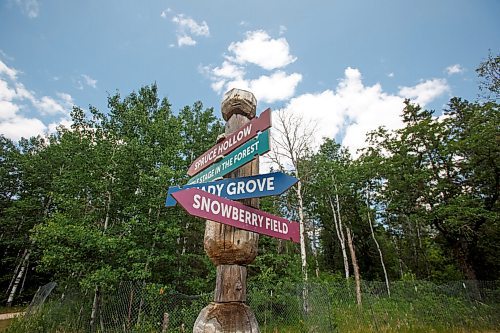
95	307
355	266
16	270
19	276
379	250
303	254
461	252
340	235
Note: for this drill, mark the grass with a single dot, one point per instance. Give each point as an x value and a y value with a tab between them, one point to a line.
422	308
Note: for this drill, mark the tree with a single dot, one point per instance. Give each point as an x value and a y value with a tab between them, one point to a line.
292	144
489	75
441	174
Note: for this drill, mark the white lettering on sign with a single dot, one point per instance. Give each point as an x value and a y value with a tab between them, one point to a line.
238	214
249	186
243	133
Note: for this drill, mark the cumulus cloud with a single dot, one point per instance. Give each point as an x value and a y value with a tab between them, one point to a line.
425	91
16	102
454	69
187	28
19	127
269	88
229	70
353	109
260	49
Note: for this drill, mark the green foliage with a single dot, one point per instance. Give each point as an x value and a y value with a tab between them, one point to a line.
88	203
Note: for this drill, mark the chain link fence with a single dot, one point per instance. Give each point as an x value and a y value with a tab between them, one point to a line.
415	306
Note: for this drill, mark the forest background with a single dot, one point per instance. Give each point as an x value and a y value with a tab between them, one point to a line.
85	206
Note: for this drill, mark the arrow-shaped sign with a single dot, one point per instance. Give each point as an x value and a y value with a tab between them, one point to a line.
241	188
211	207
236	159
231	142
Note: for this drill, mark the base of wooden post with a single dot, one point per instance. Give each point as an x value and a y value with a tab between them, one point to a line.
234	317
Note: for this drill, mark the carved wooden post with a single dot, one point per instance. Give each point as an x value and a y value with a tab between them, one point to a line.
231	249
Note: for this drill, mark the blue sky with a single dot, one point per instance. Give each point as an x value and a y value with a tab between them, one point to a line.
345	65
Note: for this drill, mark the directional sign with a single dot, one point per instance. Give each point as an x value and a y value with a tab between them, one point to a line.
241	188
236	159
211	207
231	142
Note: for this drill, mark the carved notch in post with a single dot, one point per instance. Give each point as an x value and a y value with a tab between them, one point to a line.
231	249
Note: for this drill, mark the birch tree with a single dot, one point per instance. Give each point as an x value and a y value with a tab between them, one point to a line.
292	142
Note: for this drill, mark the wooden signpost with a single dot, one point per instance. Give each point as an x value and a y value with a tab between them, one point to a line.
232	228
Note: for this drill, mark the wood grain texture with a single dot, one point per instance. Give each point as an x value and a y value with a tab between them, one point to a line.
226	245
231	284
227	318
229	248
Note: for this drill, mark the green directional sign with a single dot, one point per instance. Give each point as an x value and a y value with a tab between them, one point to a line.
236	159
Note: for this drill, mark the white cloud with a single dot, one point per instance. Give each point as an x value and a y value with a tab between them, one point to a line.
49	106
89	81
218	85
277	87
353	109
10	72
18	127
8	110
30	8
66	98
189	25
425	91
185	40
260	49
454	69
16	100
283	29
229	70
187	28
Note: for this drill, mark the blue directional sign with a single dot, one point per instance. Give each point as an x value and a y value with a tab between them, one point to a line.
241	188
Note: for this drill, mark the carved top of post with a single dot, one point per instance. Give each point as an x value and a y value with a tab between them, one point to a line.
238	101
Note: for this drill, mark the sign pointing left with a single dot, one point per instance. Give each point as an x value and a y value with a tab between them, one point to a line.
211	207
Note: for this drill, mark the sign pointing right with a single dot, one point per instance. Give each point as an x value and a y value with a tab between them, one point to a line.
211	207
241	188
231	142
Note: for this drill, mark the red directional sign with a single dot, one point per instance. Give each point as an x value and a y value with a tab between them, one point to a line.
231	142
211	207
